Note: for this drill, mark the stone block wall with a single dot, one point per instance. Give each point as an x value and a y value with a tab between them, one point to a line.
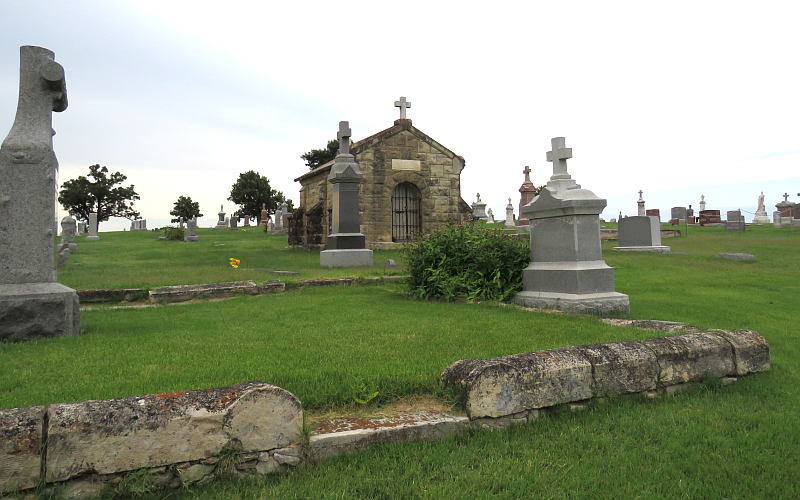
168	439
519	383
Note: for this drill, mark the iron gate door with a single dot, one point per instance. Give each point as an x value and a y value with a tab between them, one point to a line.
406	212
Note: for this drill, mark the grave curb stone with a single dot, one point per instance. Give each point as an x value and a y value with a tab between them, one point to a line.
20	447
182	293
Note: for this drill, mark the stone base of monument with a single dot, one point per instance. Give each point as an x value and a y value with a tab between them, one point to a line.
357	257
653	249
92	238
35	310
761	219
602	303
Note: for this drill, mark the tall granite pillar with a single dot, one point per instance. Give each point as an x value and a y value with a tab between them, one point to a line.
346	244
32	303
567	270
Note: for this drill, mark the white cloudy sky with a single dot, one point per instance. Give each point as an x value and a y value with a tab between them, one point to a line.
676	98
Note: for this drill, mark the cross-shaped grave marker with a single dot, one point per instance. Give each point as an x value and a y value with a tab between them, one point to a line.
527	172
785	196
344	138
559	156
403	105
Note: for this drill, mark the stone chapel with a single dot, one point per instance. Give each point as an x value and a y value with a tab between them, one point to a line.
411	184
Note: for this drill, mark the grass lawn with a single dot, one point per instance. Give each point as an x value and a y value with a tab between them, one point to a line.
325	345
138	259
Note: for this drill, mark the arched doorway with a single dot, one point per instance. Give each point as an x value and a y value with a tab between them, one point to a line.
406	212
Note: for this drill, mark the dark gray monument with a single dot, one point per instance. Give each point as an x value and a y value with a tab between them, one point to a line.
567	270
734	221
234	222
679	213
640	234
346	244
32	303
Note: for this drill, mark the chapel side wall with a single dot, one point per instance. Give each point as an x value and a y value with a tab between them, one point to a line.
438	179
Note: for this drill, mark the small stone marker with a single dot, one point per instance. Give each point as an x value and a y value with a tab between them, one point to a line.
92	227
567	270
69	229
509	214
221	223
678	213
32	303
346	245
234	223
490	216
191	230
737	256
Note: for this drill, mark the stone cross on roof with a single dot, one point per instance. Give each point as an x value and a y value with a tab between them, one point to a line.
640	194
785	196
344	138
527	172
403	105
559	156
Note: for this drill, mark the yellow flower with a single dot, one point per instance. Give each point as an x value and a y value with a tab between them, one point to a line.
234	262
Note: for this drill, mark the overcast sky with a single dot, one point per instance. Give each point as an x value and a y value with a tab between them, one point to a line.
677	98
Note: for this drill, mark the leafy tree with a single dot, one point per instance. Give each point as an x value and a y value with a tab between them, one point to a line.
185	209
252	190
96	193
317	157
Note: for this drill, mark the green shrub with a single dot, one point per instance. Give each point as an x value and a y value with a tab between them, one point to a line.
170	233
466	261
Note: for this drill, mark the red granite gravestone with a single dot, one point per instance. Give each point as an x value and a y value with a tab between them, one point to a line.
710	217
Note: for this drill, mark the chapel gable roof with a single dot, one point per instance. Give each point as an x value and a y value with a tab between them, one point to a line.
399	125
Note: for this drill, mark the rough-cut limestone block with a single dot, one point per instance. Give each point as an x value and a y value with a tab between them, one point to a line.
621	367
690	358
20	447
181	293
751	351
150	431
511	384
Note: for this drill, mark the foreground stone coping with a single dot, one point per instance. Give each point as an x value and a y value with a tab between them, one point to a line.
209	291
518	383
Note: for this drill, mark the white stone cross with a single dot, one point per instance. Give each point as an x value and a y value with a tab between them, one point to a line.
559	156
344	138
402	104
527	172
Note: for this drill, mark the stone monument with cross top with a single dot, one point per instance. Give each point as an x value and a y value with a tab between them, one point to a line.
346	246
526	193
567	270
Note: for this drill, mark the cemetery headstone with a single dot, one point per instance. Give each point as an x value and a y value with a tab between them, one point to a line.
490	214
702	204
690	218
678	213
247	221
262	220
640	234
32	303
346	245
92	227
509	214
81	227
279	217
640	205
734	221
761	216
567	270
708	217
191	230
786	209
221	223
69	229
479	209
653	212
526	193
234	223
